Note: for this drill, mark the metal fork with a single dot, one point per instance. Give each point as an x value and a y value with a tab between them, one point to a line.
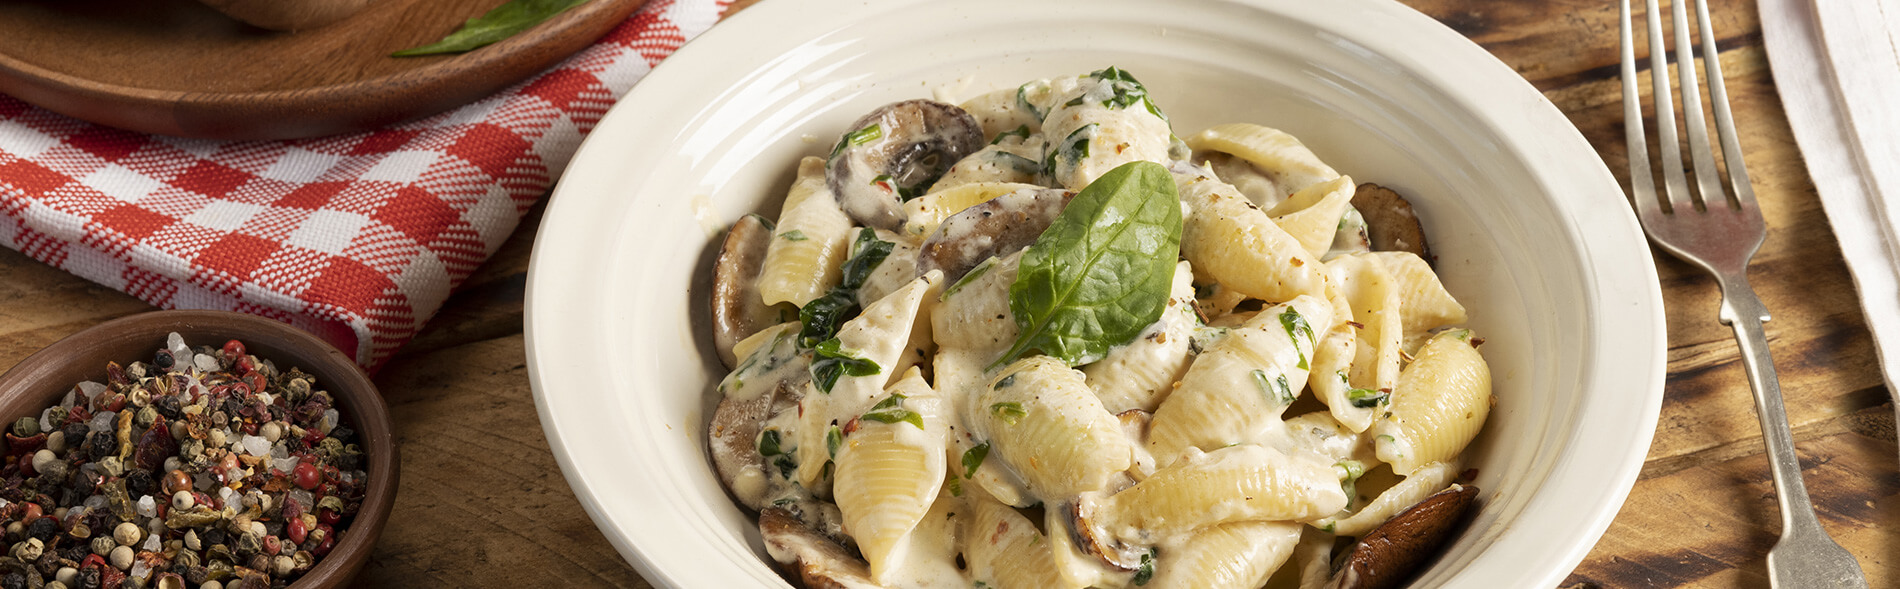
1720	232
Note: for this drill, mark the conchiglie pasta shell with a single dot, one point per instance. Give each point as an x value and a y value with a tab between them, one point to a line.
1288	162
1424	304
1141	373
1370	289
1424	481
1441	401
879	334
809	244
1005	551
1238	245
1062	442
888	475
1240	555
1232	484
1235	391
1312	215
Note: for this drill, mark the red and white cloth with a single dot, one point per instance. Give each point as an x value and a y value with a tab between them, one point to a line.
357	238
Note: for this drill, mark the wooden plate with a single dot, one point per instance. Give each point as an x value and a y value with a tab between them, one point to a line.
177	67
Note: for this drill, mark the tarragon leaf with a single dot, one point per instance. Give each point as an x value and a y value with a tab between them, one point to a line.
501	23
1102	270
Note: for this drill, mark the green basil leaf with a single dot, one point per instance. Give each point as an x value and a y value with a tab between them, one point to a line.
501	23
1009	411
1102	271
891	410
973	458
830	361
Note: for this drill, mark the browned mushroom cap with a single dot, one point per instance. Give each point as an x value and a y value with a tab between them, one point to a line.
810	558
994	228
737	309
1096	542
1390	221
1389	555
895	153
733	436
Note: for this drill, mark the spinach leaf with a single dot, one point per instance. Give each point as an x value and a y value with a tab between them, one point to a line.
891	410
1102	271
973	458
501	23
821	317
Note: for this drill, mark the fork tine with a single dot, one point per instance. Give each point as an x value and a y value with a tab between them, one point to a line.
1707	182
1675	186
1642	180
1724	124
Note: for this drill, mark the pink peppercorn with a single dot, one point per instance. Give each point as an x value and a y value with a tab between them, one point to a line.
306	475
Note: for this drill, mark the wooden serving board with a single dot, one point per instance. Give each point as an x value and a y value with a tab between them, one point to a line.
177	67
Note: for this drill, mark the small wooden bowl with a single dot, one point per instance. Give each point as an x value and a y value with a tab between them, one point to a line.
43	378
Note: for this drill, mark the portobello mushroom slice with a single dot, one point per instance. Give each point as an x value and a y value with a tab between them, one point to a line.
993	228
1389	555
737	309
896	153
1390	221
808	556
733	438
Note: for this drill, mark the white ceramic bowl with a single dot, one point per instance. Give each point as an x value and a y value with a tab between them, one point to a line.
1532	234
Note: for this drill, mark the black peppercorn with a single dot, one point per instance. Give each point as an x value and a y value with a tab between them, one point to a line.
43	528
101	444
88	578
75	433
169	407
74	551
163	360
197	575
13	580
213	536
138	482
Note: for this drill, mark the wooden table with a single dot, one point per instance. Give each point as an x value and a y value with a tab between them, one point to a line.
482	502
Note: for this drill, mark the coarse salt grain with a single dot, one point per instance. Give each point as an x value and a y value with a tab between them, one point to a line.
204	362
102	421
255	445
140	569
91	389
147	507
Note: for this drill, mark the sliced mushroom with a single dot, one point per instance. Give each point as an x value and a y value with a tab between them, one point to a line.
733	438
737	309
897	152
1390	221
1389	555
1093	541
815	560
993	228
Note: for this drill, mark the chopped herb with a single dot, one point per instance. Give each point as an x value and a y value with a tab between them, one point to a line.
821	317
1020	132
858	137
834	439
1073	149
1147	570
968	277
1276	389
794	235
1295	326
867	252
830	360
1008	411
891	410
1367	398
1349	472
786	465
973	458
1006	382
956	488
1023	101
769	443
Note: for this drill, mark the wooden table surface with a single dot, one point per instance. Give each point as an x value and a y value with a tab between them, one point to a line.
482	502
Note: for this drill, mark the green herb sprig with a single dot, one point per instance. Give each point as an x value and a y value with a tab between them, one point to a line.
501	23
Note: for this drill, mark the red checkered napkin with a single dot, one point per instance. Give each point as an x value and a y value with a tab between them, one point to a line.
356	238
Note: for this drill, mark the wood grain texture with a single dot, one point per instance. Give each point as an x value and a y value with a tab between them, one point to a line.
177	67
483	504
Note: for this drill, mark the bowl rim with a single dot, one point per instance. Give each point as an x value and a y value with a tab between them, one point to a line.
358	400
1630	305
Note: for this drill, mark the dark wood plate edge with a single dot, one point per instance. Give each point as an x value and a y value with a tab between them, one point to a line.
342	108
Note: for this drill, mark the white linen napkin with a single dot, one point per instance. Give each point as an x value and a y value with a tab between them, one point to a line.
1837	67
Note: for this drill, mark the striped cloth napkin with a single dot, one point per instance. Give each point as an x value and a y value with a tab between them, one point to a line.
357	238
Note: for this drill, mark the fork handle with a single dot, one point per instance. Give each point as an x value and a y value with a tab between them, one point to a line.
1804	556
